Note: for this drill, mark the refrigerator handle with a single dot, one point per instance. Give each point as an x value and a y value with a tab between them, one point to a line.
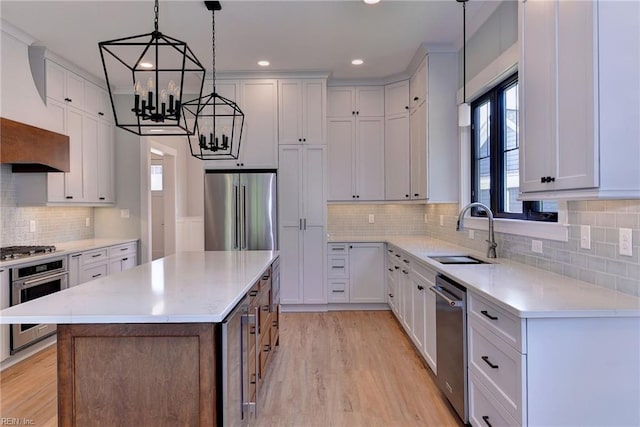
244	217
237	224
300	224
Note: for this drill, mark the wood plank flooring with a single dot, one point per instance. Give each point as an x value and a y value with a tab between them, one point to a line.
332	369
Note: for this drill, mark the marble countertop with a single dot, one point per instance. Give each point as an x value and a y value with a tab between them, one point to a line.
522	290
67	248
187	287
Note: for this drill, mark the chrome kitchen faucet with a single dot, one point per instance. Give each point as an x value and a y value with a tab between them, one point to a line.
491	250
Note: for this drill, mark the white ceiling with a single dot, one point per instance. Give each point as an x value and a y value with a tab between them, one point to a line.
292	35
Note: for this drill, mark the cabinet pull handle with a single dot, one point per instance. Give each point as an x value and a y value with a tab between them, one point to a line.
390	295
96	275
405	261
398	255
101	198
405	271
390	251
390	269
69	197
337	267
485	418
265	277
123	249
267	348
338	291
253	293
486	360
396	267
420	288
416	195
124	259
275	323
100	113
76	255
486	314
96	255
415	98
265	308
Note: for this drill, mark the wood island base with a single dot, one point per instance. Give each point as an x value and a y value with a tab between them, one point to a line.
137	374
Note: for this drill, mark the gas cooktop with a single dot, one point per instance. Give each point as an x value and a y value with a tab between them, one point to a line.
14	252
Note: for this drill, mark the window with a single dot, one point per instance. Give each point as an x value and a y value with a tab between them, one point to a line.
156	177
495	163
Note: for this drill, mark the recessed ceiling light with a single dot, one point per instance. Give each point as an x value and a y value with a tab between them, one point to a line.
263	63
146	65
156	130
371	1
357	62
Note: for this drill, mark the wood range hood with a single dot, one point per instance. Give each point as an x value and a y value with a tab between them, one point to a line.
31	149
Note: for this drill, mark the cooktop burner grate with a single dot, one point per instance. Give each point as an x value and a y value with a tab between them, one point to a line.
13	252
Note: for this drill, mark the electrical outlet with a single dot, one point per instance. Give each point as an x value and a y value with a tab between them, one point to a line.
536	246
124	213
32	226
441	220
372	219
87	222
426	218
585	237
626	242
472	234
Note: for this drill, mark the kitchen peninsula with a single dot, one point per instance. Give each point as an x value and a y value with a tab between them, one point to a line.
142	347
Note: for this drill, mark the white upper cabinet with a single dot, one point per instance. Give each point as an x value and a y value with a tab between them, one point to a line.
579	126
397	182
64	86
97	102
258	100
301	111
362	101
355	140
434	130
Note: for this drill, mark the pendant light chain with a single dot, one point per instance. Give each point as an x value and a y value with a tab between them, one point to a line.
155	10
213	48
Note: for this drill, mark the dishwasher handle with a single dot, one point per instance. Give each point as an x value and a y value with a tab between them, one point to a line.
438	291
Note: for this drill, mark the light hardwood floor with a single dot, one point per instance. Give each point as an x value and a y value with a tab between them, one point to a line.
332	369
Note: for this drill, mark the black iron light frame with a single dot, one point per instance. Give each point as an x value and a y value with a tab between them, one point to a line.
218	120
156	111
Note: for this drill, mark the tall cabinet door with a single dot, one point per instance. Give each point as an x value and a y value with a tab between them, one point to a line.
260	135
370	159
290	207
314	201
396	158
341	134
73	179
314	100
289	98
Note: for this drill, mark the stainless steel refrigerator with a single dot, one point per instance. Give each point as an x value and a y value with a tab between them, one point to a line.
240	211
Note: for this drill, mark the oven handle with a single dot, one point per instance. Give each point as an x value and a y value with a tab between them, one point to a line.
39	280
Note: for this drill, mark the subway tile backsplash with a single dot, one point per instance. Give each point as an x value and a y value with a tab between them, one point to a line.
601	265
53	224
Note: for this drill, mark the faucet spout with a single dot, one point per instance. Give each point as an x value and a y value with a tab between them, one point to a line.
492	245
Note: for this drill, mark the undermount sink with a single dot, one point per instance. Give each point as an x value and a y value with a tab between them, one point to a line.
457	259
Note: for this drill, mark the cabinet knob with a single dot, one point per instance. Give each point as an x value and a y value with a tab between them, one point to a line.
416	195
304	139
390	295
353	113
406	195
420	288
357	197
357	113
415	98
353	197
100	113
406	107
299	139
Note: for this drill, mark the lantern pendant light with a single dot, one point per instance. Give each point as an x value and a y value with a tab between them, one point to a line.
219	121
464	109
162	69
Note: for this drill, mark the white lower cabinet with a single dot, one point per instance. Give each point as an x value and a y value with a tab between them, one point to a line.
413	303
5	346
355	273
93	264
551	371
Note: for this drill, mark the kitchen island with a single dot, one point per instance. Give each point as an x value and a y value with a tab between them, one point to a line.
141	347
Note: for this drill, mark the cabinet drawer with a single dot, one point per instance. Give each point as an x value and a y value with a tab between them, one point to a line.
338	291
254	296
93	272
500	367
338	266
91	257
338	248
507	326
484	410
124	249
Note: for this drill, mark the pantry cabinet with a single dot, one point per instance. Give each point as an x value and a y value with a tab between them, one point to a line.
355	273
301	111
578	126
355	140
301	195
397	140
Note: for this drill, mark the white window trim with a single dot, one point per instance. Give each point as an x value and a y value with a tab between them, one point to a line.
494	73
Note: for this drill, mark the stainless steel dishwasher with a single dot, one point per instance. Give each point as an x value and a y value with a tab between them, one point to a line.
451	340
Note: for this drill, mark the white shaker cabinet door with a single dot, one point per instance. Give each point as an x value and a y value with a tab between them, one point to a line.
370	159
397	174
366	263
340	160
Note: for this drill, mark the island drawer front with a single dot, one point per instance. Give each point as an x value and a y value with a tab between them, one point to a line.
264	310
484	409
91	257
124	249
254	296
338	290
499	366
93	272
508	327
266	279
338	266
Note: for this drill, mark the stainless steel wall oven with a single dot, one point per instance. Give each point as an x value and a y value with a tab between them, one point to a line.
31	281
